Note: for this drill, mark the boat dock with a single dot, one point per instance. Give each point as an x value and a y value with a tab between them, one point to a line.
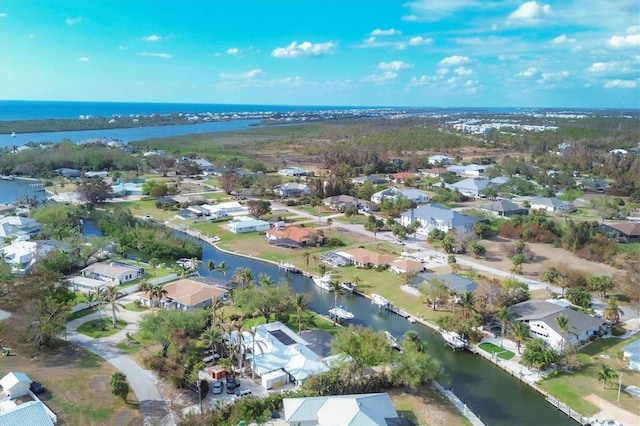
288	267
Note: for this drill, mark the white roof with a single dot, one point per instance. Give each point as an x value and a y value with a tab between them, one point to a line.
12	379
362	410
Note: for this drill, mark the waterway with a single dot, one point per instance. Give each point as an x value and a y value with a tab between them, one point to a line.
493	395
18	189
125	135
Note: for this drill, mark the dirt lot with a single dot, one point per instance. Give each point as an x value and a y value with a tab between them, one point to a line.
428	408
77	386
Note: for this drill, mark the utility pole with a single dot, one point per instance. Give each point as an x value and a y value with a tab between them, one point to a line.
619	385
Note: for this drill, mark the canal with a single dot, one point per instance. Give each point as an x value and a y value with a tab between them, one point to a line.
493	395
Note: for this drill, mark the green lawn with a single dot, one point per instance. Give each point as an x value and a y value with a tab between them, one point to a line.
494	349
101	328
135	307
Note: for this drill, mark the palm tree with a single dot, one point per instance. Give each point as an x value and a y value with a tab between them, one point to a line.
145	287
242	276
329	222
111	297
211	337
300	302
612	312
153	264
563	324
98	295
520	332
253	332
265	280
307	257
337	291
211	266
605	374
504	316
467	302
158	292
315	259
356	280
222	268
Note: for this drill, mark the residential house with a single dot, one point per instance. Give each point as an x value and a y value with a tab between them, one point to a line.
230	208
631	353
340	203
600	185
69	173
214	211
126	188
471	170
244	224
456	284
435	172
205	166
541	317
504	208
402	176
292	189
199	211
500	180
364	258
113	272
440	160
294	172
100	175
435	216
625	232
552	205
393	193
469	187
22	255
279	349
373	179
15	384
292	236
372	409
18	227
404	266
186	295
33	413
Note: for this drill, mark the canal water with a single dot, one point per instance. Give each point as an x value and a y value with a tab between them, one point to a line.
493	395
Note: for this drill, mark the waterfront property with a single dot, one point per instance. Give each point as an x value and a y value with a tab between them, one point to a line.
362	409
244	224
293	236
363	258
23	255
541	317
186	295
18	227
631	353
113	272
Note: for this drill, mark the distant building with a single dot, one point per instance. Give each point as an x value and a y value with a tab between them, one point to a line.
113	272
625	232
245	224
435	216
471	170
292	236
294	172
469	187
340	203
18	227
186	295
552	205
395	194
456	284
440	160
292	189
373	179
504	208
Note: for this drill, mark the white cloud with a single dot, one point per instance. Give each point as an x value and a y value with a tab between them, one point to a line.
3	15
634	29
463	71
381	78
152	37
232	51
563	39
248	75
603	67
622	42
83	59
73	21
442	71
157	55
295	50
454	60
620	84
393	66
390	32
550	77
429	10
529	72
420	41
530	13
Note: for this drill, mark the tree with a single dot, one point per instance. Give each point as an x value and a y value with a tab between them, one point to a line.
538	354
94	191
612	312
337	291
606	373
350	213
229	180
467	302
579	297
211	266
366	347
517	260
562	321
300	303
222	268
601	284
157	291
263	299
374	225
414	367
242	276
98	296
258	208
481	229
504	316
163	165
478	250
111	297
520	333
435	291
153	264
212	337
119	385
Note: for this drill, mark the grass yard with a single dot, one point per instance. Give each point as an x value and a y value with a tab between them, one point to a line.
101	328
494	349
426	406
77	386
573	387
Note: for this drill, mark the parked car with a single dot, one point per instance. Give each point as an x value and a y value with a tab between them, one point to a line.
232	384
217	387
244	392
37	388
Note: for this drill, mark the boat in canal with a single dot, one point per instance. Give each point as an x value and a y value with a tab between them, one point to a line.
289	267
393	342
341	313
348	286
453	339
324	282
380	300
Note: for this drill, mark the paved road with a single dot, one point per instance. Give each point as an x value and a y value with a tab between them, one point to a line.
142	382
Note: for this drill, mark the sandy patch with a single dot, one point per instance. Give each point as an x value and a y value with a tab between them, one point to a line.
609	411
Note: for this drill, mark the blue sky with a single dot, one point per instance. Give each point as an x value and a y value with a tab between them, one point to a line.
553	53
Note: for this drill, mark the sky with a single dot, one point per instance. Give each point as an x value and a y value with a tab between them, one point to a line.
425	53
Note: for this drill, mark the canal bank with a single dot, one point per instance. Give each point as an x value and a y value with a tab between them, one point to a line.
496	395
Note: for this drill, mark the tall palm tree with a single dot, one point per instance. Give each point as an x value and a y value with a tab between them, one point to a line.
99	297
145	287
265	280
504	316
211	337
242	276
222	268
605	374
337	291
612	312
253	332
300	302
158	292
467	302
211	266
111	297
520	333
307	257
153	264
562	321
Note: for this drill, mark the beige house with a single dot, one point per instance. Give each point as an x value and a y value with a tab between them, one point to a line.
113	272
186	295
403	266
364	258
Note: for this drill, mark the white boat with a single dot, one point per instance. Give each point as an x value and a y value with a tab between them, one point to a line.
13	134
324	282
393	342
341	313
289	267
453	339
348	286
380	300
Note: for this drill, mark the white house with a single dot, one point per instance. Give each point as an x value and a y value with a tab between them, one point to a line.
292	189
552	205
469	187
541	317
434	216
471	170
440	160
113	272
294	172
23	255
18	226
230	207
244	224
631	353
15	385
214	211
393	193
126	188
